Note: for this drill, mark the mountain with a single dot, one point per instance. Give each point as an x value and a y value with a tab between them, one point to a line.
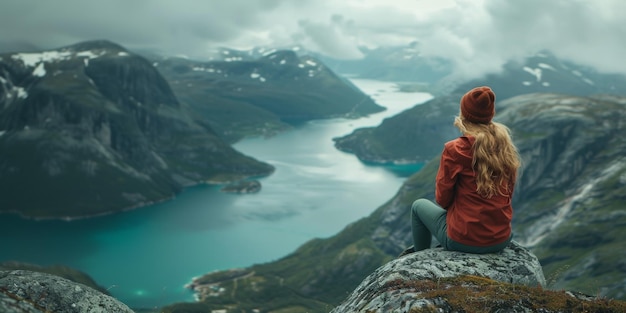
250	95
92	128
397	64
544	72
394	63
418	134
569	210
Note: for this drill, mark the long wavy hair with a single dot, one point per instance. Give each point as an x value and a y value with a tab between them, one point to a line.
495	157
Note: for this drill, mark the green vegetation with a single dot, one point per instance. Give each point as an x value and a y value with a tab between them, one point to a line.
483	295
415	135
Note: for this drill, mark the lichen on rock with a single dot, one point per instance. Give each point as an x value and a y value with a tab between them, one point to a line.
34	292
515	264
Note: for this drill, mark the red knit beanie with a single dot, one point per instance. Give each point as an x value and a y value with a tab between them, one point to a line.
478	105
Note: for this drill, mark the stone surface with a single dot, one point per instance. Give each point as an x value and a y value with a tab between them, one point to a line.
33	292
515	264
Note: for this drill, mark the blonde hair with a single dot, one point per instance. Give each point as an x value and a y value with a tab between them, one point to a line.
495	157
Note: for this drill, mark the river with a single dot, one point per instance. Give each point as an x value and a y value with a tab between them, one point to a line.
145	257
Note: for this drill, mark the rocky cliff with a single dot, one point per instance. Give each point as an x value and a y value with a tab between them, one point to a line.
92	128
34	292
435	280
569	210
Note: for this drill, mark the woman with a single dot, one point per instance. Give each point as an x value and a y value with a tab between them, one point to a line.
474	185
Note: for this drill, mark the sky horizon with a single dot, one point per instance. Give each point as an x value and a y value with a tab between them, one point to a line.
478	36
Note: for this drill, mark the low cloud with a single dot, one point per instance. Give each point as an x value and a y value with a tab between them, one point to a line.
477	35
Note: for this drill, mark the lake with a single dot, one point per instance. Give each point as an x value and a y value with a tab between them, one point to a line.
145	257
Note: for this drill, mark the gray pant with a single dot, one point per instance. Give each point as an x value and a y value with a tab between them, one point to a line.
429	219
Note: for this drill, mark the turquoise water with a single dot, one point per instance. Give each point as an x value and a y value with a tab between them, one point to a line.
146	256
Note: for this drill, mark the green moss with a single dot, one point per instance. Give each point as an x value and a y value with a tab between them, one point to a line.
479	294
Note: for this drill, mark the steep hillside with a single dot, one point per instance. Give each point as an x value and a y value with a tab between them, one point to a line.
569	209
241	96
418	134
92	128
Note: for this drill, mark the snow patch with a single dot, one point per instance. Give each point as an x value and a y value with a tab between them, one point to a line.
546	66
262	79
40	70
2	132
123	54
88	54
86	62
21	92
283	62
270	52
311	63
545	84
577	73
301	65
2	80
534	71
527	83
255	75
32	59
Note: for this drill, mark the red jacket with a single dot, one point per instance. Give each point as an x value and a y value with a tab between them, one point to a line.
472	220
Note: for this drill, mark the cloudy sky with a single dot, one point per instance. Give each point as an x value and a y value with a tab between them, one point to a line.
478	35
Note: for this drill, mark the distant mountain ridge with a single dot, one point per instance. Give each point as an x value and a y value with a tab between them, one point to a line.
92	128
247	96
544	72
417	134
397	63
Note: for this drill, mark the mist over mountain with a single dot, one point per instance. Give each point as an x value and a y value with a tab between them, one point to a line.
394	140
394	63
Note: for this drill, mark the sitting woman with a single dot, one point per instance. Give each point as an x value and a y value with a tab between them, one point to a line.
474	185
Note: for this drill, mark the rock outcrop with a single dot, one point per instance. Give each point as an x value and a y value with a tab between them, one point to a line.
394	286
34	292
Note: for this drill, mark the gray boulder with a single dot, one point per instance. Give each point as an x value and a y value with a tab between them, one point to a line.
392	287
34	292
